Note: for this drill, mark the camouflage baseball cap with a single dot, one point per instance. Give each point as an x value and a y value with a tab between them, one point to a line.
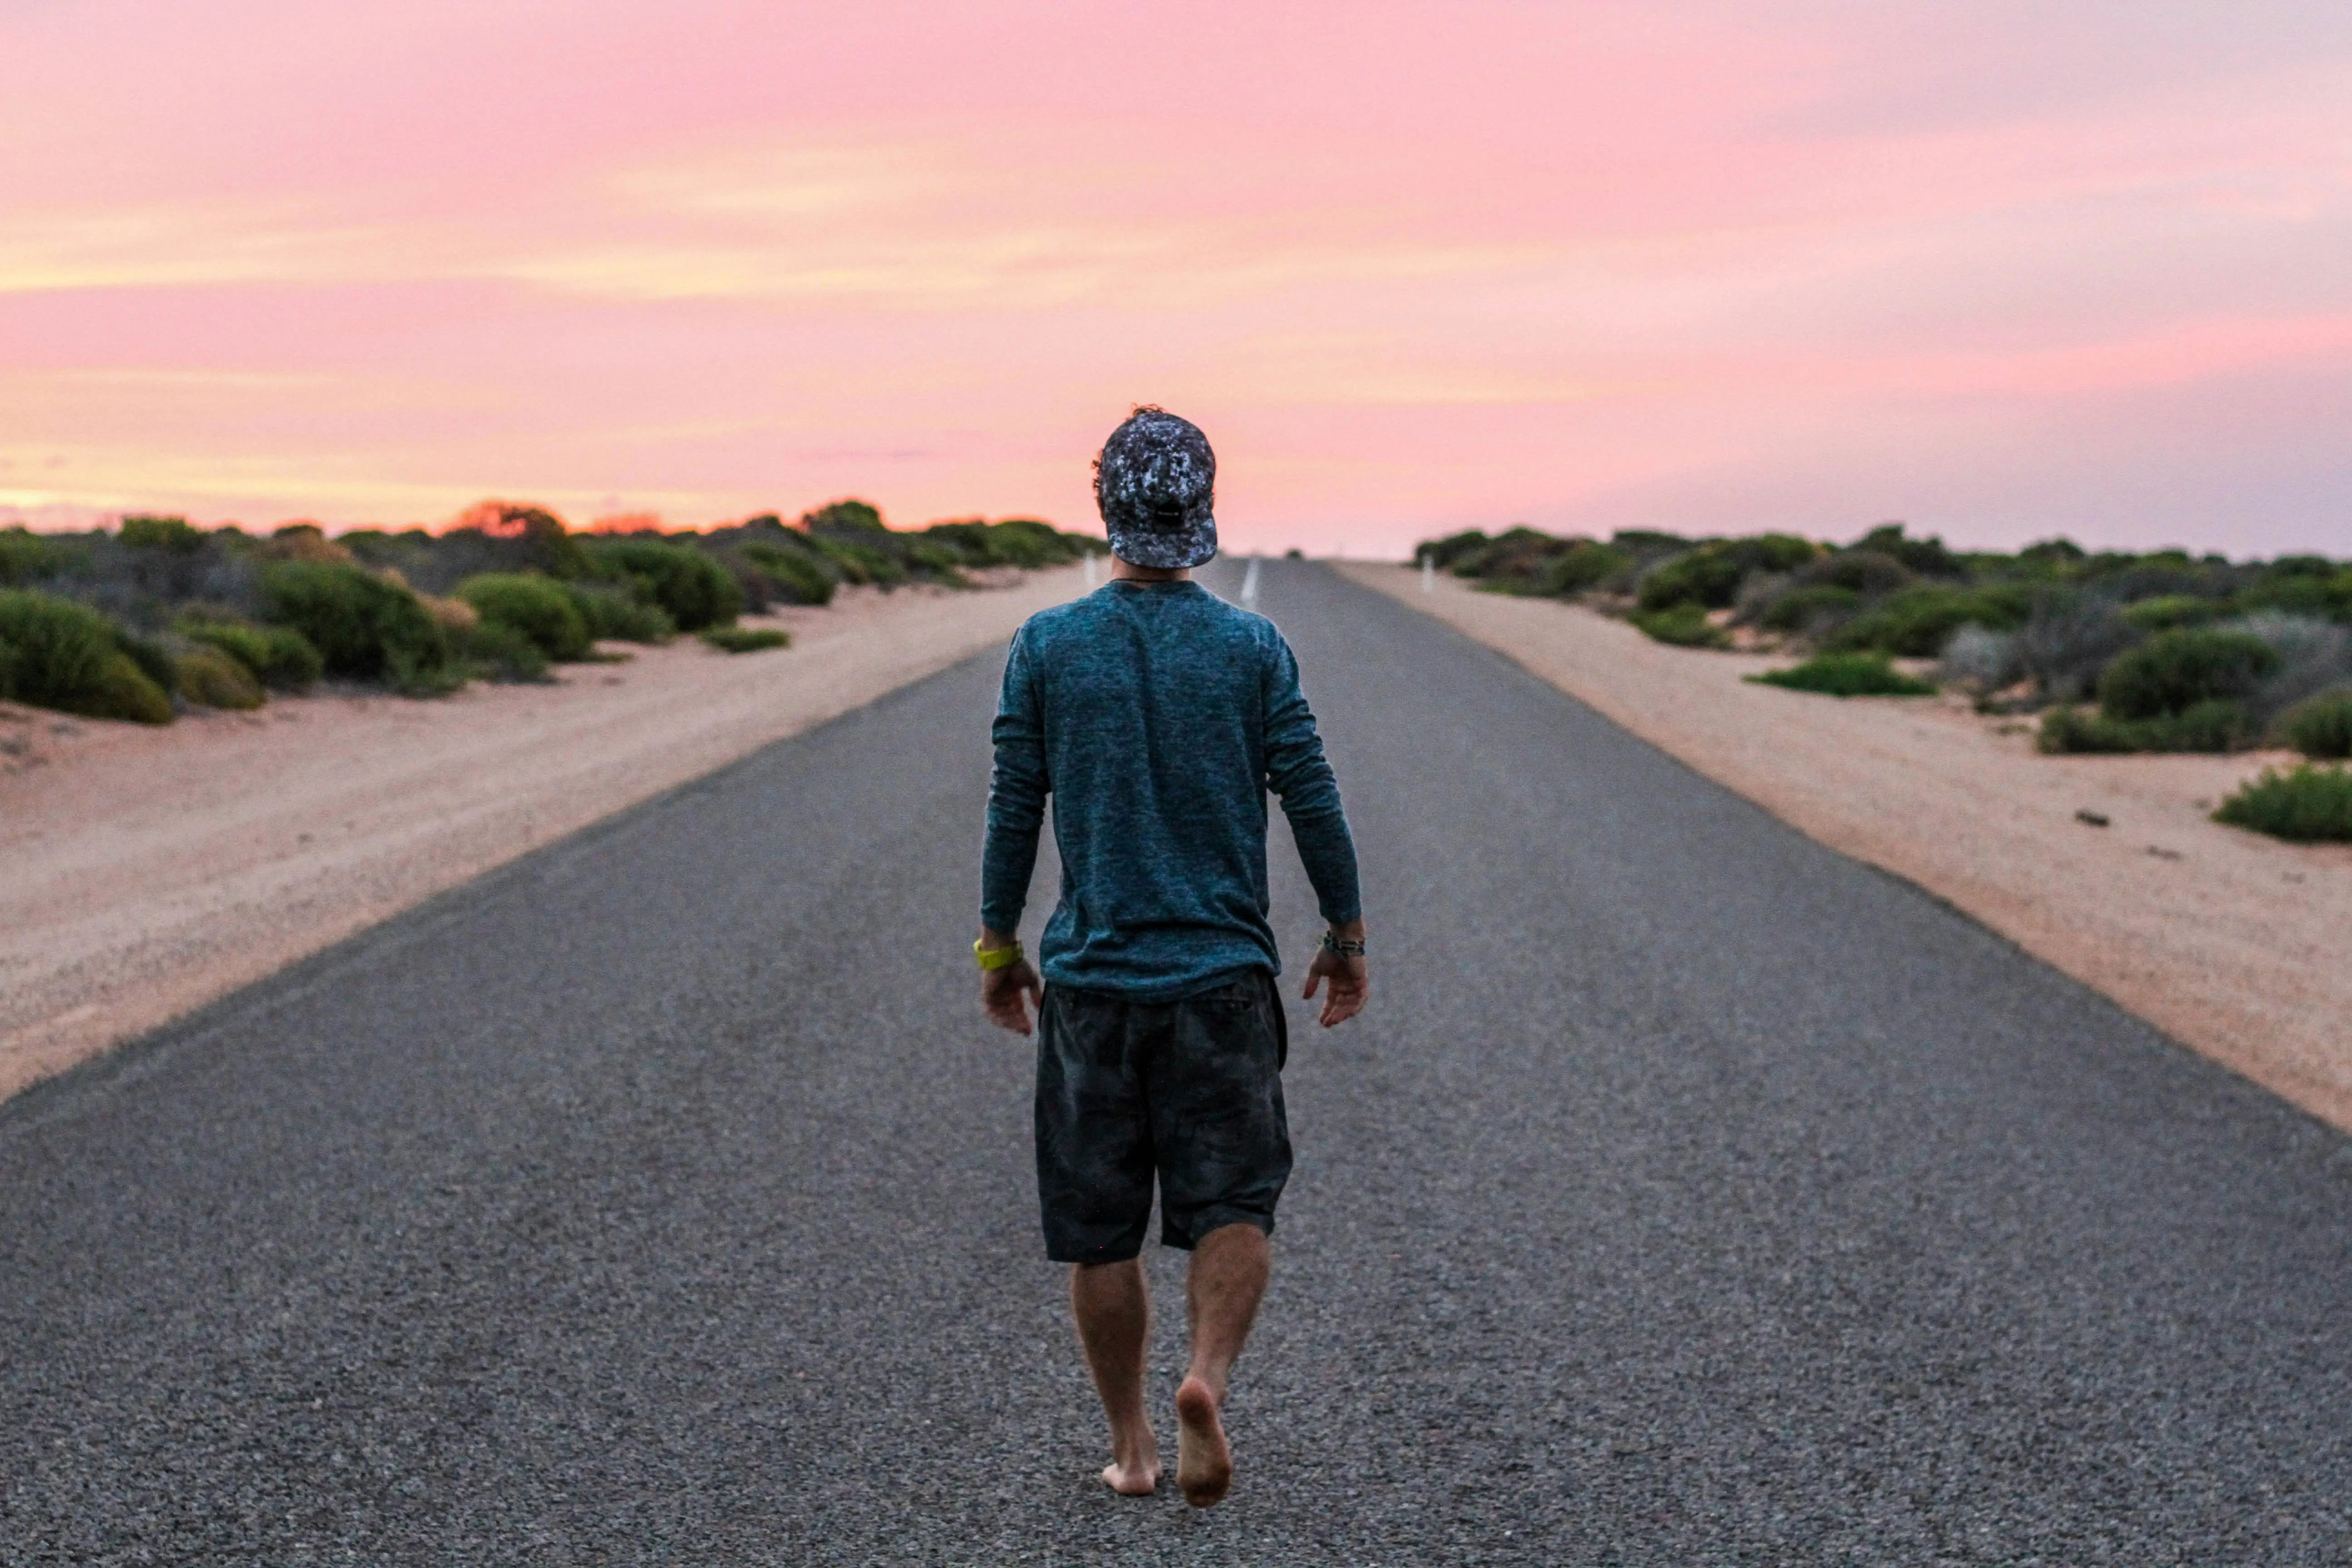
1154	484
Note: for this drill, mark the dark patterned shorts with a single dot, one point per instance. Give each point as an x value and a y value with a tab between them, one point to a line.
1188	1091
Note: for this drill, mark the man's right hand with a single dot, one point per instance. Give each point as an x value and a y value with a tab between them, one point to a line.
1350	978
1006	994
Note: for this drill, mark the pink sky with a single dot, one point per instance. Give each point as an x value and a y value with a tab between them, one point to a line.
1999	269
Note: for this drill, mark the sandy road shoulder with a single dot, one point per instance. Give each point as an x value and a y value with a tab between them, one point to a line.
2230	943
148	872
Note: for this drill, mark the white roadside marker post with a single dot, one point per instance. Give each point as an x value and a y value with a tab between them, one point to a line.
1090	571
1428	572
1249	584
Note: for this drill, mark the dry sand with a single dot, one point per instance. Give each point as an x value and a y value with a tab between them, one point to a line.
144	872
2235	944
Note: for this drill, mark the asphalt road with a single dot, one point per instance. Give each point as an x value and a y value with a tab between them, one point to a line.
1689	1194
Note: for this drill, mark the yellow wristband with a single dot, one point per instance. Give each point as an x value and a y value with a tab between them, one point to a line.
996	957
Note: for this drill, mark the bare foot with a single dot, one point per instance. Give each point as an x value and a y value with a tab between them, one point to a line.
1205	1465
1139	1479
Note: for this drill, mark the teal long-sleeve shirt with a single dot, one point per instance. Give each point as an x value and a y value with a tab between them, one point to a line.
1157	716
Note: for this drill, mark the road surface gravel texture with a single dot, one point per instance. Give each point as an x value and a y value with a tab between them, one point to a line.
1689	1194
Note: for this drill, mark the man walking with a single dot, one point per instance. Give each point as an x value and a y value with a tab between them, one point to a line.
1158	717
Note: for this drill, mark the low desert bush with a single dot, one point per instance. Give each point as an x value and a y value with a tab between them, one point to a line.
2175	671
495	651
172	533
1584	564
1927	557
2171	612
2308	586
1450	552
613	613
1917	621
2314	656
535	606
745	640
2215	725
801	576
942	562
1870	573
154	660
279	657
860	562
848	513
1800	609
2069	639
2309	805
693	589
363	627
212	679
1846	675
25	557
1025	541
1710	575
1683	626
1987	660
2320	726
67	656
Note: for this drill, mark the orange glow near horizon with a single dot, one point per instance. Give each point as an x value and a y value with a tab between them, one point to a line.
1999	269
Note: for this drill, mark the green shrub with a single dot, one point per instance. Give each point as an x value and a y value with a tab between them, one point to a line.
801	576
850	513
154	660
362	626
497	651
859	563
1707	578
1917	621
2176	670
172	533
941	561
2321	726
693	590
745	640
1800	609
1024	541
1847	675
2218	725
1449	552
537	608
215	679
2170	612
67	656
25	557
1684	625
611	612
2310	586
2308	806
531	537
1710	575
1584	565
1927	557
279	657
1870	573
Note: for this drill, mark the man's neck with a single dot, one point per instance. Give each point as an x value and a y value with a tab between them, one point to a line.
1128	571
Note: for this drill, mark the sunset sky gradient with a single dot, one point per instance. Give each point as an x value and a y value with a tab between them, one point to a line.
2000	269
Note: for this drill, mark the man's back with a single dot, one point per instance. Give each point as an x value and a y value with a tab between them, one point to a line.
1158	716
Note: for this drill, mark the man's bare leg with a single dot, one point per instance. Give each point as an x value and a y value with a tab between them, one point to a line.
1228	1275
1113	1307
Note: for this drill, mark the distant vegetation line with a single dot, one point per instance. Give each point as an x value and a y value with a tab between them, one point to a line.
2112	651
147	620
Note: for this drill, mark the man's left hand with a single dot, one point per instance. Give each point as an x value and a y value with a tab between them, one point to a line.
1006	994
